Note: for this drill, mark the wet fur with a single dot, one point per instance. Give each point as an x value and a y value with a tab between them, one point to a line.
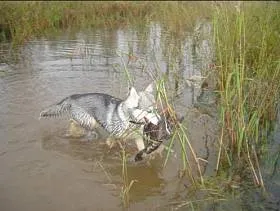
113	114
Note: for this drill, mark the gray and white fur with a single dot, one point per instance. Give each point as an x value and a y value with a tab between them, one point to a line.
113	114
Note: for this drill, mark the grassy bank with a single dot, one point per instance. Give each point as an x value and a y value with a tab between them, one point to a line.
22	20
247	52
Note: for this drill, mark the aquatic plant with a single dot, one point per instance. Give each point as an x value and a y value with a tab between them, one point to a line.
126	184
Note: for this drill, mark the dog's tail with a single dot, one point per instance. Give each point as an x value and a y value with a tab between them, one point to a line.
60	109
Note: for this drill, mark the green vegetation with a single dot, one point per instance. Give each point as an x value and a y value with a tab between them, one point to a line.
127	185
247	48
187	151
23	20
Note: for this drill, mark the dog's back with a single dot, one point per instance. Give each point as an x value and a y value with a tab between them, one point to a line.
89	108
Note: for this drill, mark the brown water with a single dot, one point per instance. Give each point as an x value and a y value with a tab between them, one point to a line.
44	169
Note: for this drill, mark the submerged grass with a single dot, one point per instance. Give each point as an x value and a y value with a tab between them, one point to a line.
126	183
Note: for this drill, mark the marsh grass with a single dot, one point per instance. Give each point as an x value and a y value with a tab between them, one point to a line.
247	51
21	21
127	185
128	75
179	134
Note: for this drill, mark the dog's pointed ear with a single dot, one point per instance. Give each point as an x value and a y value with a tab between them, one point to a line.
133	98
150	88
133	93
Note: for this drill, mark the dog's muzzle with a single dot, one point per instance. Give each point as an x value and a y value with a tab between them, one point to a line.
140	115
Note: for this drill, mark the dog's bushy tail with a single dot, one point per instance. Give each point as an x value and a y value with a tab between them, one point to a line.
60	109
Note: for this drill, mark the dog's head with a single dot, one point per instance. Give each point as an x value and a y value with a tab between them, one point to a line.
142	105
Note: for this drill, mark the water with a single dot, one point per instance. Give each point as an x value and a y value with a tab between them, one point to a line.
43	169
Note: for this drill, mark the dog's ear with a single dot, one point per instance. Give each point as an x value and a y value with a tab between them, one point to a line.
150	88
132	100
133	94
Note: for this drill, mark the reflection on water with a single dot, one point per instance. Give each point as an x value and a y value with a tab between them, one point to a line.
46	70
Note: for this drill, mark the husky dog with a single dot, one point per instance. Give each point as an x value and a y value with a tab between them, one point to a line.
114	115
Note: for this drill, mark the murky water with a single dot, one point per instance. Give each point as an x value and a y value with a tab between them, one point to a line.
43	169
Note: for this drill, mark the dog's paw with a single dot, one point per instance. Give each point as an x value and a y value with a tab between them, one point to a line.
92	136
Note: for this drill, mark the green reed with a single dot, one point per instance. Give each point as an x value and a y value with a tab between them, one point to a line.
179	134
125	197
247	52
